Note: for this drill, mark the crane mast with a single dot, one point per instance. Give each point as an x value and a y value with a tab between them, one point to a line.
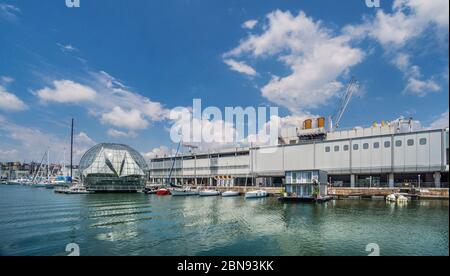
335	121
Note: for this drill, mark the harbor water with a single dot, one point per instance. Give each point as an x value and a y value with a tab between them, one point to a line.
37	221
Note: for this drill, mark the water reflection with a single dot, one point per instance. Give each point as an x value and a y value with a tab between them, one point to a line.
39	222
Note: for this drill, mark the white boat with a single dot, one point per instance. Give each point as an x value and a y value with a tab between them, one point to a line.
209	193
22	181
256	194
397	198
402	199
73	190
40	185
391	198
184	192
230	194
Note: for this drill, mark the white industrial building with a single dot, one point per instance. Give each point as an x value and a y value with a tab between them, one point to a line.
384	155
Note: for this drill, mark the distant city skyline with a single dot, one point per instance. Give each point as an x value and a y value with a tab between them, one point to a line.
119	68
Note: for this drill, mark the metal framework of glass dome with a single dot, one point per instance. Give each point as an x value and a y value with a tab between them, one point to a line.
113	168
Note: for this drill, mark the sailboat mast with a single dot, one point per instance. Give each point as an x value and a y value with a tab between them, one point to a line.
71	151
48	164
64	164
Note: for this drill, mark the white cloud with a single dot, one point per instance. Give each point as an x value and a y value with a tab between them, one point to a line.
205	133
161	151
67	91
9	12
250	24
83	138
10	102
415	83
129	119
67	48
421	88
441	122
316	57
115	94
409	20
5	80
120	134
9	155
108	99
33	142
240	67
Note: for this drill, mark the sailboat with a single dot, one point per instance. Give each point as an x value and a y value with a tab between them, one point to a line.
187	191
39	180
164	191
77	188
258	193
230	194
64	179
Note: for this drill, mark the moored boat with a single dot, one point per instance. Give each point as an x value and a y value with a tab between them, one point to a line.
230	194
256	194
391	198
73	190
163	192
151	190
209	192
399	198
184	192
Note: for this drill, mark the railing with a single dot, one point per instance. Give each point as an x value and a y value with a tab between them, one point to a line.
386	185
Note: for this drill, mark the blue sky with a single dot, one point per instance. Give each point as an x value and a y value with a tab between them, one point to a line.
118	67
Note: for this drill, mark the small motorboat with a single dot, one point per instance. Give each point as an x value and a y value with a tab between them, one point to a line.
397	198
187	191
40	185
256	194
209	193
73	190
230	194
151	190
402	199
163	192
391	198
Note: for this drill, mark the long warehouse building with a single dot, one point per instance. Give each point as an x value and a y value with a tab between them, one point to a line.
385	155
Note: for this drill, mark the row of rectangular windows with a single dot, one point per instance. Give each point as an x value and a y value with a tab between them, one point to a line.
376	145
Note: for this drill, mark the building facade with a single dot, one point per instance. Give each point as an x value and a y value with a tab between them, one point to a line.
380	156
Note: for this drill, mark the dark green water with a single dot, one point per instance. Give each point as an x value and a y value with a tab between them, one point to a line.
39	222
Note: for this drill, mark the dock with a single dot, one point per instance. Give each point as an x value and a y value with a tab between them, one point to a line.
305	199
379	193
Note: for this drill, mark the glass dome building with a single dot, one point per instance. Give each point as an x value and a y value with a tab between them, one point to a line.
113	168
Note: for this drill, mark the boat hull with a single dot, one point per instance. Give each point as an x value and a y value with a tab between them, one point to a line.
256	194
184	193
230	194
162	192
209	193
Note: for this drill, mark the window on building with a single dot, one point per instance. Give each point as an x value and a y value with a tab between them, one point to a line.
423	141
387	144
398	143
336	148
346	148
366	146
410	142
294	177
327	149
355	147
376	145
